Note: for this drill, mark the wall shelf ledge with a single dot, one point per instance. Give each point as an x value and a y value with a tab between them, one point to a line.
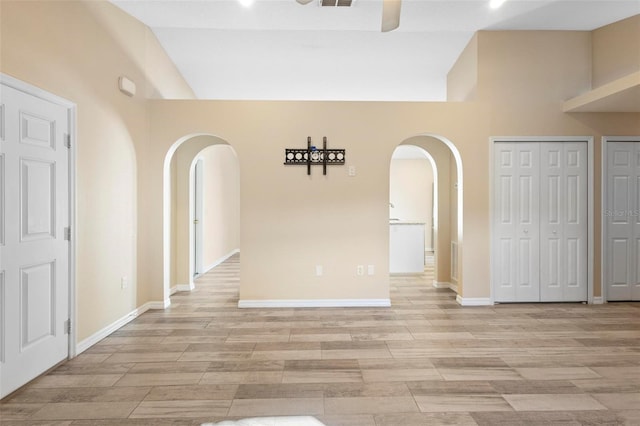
621	95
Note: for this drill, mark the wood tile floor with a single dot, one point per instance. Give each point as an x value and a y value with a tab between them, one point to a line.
424	361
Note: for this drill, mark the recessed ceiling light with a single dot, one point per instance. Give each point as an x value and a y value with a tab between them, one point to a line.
494	4
246	3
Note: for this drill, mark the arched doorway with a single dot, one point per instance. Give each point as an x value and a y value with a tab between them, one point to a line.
413	194
447	205
209	208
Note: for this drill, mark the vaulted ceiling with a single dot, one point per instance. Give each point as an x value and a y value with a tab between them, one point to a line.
280	49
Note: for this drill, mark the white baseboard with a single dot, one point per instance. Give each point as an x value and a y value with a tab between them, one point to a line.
598	300
191	285
182	287
158	305
219	261
474	301
315	303
106	331
444	284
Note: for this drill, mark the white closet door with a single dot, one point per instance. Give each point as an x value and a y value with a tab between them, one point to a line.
563	222
540	241
516	222
622	213
34	255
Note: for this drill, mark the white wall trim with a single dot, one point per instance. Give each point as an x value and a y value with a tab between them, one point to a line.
73	223
159	304
444	284
474	301
106	331
196	211
315	303
182	287
590	200
598	300
590	222
220	260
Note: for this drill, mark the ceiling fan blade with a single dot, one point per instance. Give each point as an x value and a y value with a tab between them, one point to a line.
304	1
390	14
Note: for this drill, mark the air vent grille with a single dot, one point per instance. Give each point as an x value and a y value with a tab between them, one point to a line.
334	3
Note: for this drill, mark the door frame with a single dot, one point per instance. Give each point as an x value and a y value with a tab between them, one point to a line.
590	202
72	117
603	200
196	210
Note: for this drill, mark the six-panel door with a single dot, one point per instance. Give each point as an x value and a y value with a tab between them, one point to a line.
540	226
34	270
622	221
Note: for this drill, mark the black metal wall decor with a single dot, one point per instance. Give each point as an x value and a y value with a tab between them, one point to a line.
313	156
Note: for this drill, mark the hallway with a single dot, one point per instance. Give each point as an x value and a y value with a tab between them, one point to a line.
425	360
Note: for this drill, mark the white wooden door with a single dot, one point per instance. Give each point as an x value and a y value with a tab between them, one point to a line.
563	222
198	219
516	222
622	221
34	269
540	222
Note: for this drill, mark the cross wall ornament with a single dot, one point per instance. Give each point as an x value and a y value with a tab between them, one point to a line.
314	156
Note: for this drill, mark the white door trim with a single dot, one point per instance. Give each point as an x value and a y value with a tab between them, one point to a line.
603	203
590	201
71	111
196	209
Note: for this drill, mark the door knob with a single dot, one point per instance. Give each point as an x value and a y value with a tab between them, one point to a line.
195	221
526	231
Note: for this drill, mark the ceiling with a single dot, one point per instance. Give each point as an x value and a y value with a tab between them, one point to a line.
279	49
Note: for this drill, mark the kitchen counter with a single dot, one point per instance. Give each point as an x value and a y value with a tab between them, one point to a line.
406	247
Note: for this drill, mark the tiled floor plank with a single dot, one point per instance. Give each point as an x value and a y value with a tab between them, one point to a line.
424	361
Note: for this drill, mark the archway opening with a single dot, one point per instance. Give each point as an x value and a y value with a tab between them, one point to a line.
445	201
201	209
413	213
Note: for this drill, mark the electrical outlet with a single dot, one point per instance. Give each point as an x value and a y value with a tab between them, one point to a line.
371	270
352	171
319	270
360	270
124	283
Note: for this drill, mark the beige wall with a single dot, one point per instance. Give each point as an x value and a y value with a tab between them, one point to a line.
616	51
289	221
411	192
282	207
221	203
532	67
442	233
462	79
454	245
526	76
77	50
